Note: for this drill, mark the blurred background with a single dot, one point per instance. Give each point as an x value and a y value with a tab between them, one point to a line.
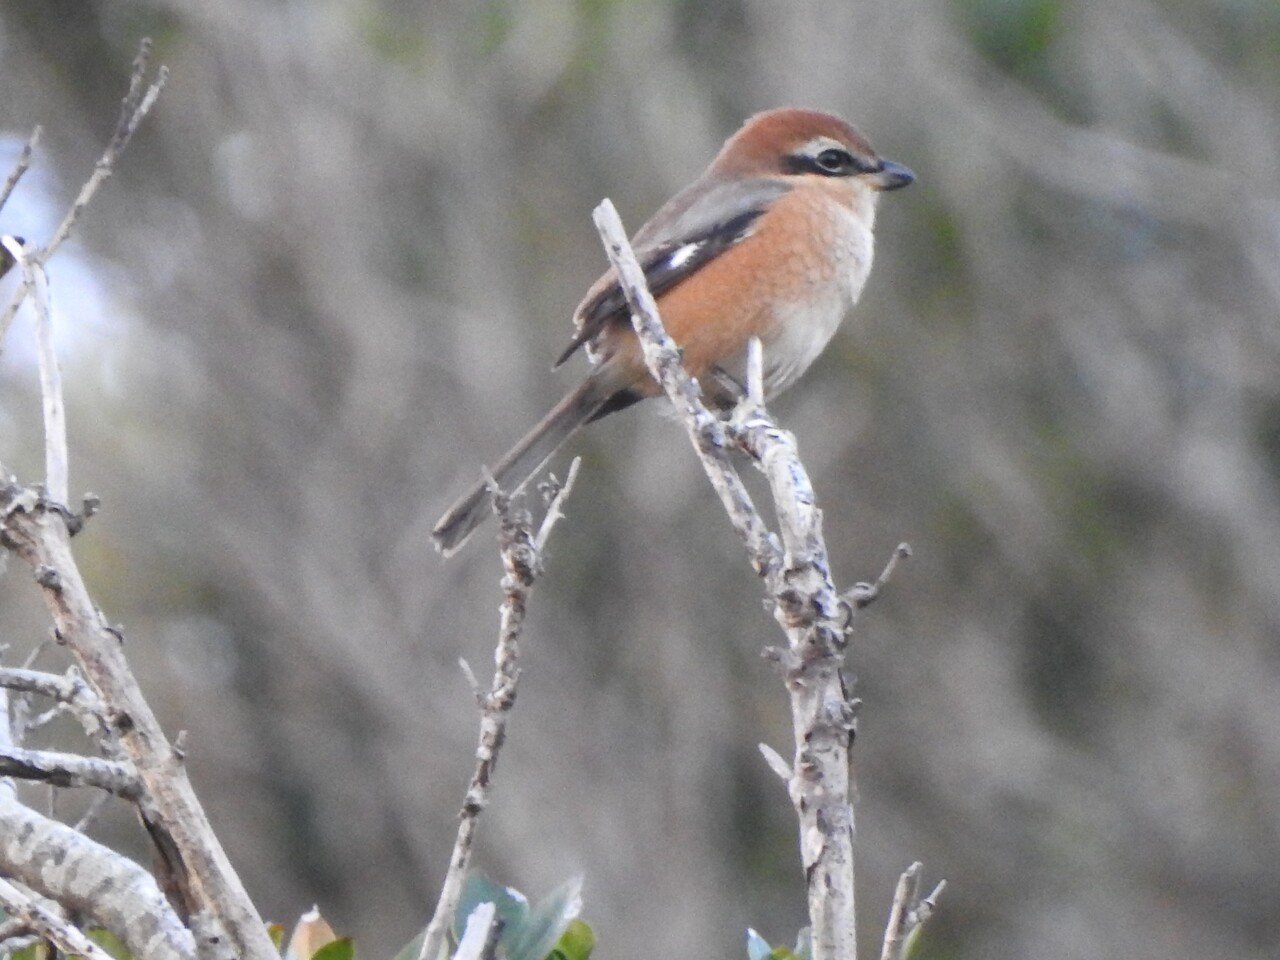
328	281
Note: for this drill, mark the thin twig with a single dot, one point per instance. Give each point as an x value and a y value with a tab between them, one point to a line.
34	654
133	109
68	689
554	512
908	913
864	594
776	763
70	770
522	562
55	414
11	309
68	938
91	812
19	168
135	106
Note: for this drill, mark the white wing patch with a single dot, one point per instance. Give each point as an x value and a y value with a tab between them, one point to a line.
681	255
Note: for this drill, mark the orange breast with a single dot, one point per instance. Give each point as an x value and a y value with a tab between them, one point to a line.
791	270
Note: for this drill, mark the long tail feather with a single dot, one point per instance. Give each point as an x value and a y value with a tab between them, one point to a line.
525	459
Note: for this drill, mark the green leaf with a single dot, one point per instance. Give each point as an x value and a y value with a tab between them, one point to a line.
543	927
511	906
576	943
757	946
340	949
109	942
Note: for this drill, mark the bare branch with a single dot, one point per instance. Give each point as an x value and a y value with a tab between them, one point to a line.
133	109
68	938
68	689
19	168
91	812
70	770
908	913
557	501
472	682
11	310
37	533
864	594
521	562
55	414
806	603
705	430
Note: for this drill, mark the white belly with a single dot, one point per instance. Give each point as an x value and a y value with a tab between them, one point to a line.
805	329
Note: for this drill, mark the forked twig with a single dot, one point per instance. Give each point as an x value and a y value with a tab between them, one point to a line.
908	913
135	106
55	411
806	604
522	562
19	168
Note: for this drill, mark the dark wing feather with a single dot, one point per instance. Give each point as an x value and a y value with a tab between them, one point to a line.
680	239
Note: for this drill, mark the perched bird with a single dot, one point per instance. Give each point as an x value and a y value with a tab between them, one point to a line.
772	241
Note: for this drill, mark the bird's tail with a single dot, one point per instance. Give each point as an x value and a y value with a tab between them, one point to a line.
525	459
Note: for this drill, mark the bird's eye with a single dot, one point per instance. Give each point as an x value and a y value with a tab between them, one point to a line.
834	161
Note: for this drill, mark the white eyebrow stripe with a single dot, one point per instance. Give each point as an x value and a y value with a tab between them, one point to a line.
818	144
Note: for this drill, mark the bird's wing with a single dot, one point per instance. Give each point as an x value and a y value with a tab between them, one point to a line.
690	230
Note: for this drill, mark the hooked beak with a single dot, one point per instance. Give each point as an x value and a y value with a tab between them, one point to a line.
890	176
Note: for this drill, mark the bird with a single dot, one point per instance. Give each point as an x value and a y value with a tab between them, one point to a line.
773	240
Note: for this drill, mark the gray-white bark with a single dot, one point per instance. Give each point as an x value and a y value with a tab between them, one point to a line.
806	603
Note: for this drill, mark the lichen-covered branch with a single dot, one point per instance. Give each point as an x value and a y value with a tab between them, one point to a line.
69	938
88	878
68	689
81	875
70	770
36	532
36	525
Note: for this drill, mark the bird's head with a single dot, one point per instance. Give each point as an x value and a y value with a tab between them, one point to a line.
807	143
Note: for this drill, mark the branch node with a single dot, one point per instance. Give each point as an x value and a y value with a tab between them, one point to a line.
864	594
19	168
908	913
49	578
